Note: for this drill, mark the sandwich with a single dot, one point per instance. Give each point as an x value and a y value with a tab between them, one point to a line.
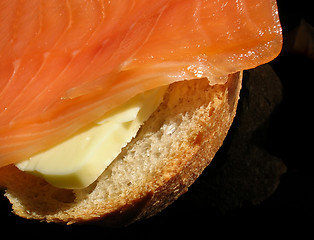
110	110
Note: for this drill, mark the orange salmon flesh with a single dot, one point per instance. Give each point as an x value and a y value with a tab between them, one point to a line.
63	64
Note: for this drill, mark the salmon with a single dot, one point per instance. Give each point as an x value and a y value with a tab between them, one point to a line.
63	64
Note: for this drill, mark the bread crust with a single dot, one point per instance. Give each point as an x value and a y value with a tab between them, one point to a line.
171	179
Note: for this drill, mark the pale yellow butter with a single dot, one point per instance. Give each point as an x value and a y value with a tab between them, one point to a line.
80	160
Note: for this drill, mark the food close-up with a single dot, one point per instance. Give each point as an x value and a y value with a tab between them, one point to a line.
138	115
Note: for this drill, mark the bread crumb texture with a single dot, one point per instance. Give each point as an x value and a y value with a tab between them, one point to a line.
169	152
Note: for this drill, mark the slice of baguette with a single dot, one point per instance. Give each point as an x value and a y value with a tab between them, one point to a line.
170	151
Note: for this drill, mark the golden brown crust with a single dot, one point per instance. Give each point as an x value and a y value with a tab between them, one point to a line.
169	181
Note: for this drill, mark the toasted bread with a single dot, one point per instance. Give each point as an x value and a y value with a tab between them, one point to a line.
170	151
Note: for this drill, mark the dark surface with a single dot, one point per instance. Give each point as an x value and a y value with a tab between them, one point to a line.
283	136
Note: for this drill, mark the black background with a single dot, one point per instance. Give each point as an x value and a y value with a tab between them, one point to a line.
290	209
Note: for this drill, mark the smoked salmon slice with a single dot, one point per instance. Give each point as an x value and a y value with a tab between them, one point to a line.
63	64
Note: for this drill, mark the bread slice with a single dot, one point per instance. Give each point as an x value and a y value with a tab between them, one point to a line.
170	151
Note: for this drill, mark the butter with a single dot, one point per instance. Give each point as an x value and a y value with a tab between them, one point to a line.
81	159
